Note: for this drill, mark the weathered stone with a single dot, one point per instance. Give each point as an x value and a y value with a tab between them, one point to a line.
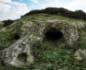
18	54
71	34
80	54
39	29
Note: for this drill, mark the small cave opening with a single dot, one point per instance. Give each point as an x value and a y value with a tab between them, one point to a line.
16	36
22	57
53	34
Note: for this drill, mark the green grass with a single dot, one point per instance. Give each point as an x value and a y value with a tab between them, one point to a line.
52	58
48	57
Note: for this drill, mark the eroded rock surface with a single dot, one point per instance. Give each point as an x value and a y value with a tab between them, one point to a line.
55	28
18	54
80	54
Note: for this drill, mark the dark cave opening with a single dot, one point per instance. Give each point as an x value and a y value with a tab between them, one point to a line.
53	34
16	36
22	57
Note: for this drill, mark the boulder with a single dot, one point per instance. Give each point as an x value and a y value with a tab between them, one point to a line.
80	54
18	54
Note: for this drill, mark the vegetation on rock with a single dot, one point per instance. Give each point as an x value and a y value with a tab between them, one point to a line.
49	51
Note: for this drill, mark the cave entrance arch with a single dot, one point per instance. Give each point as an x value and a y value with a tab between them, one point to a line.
53	34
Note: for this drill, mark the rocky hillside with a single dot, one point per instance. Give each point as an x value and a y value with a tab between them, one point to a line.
44	41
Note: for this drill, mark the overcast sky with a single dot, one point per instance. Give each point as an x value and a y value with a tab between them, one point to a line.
14	9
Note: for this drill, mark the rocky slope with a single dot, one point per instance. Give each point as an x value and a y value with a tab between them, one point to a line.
43	42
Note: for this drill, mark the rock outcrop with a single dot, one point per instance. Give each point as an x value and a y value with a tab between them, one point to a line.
80	54
18	54
69	32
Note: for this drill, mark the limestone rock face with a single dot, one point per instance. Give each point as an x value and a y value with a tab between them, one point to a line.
41	28
71	34
80	54
18	54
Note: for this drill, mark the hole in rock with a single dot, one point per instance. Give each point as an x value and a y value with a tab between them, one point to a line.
22	57
16	36
53	34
